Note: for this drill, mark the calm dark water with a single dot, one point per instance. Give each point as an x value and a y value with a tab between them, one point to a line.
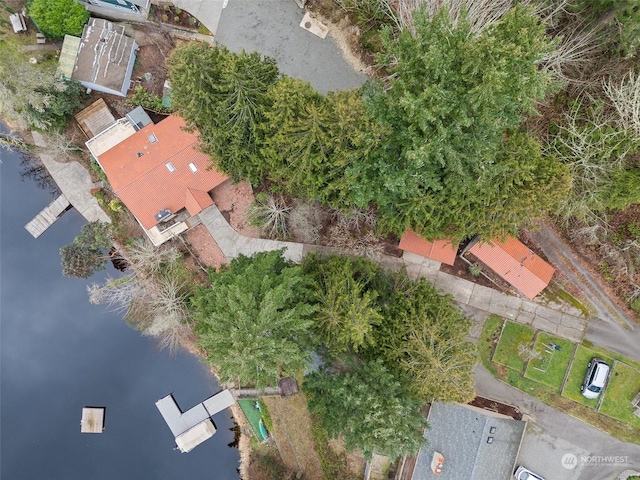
60	353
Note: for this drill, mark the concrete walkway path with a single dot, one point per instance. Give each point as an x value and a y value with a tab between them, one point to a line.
563	320
233	244
75	183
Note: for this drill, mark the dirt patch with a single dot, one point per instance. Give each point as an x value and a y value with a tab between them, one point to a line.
291	428
355	462
233	200
497	407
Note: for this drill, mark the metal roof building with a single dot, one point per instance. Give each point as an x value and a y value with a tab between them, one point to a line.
440	250
102	59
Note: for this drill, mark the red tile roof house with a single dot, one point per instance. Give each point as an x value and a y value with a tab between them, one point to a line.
162	178
440	250
515	263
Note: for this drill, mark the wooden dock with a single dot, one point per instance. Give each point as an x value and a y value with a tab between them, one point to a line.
47	216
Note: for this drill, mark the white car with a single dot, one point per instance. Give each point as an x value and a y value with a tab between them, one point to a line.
595	378
522	473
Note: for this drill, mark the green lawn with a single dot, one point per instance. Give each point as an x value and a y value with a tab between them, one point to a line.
624	385
578	371
512	336
621	428
252	414
550	369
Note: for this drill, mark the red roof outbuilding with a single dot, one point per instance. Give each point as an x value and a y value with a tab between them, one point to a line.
516	264
441	250
160	168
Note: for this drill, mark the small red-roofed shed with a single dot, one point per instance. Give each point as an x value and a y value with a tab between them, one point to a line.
441	250
515	263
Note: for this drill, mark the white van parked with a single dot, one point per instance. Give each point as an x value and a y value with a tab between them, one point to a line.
595	379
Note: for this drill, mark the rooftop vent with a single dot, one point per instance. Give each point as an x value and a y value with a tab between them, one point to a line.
139	154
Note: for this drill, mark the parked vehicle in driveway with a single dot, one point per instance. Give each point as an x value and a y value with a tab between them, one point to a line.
523	473
595	379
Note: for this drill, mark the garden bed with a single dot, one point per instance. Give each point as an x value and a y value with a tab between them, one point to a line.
176	17
615	416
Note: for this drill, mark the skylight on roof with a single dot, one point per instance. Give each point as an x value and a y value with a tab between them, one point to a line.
153	138
193	167
170	167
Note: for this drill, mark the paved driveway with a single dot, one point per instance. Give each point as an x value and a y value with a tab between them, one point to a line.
556	434
272	27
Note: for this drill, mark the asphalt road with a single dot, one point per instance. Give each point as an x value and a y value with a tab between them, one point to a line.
272	27
554	434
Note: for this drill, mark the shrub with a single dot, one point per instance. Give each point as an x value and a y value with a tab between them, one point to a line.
270	214
57	18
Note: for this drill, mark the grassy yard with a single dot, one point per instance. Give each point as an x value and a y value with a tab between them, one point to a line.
624	385
507	351
578	371
550	369
617	427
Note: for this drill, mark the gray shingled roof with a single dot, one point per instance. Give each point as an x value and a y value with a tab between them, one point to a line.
460	435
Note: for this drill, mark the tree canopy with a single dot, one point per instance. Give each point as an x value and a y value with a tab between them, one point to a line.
347	301
222	94
451	97
424	338
254	320
369	407
33	95
57	18
87	253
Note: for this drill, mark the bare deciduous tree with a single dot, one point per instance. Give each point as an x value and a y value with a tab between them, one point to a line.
625	98
152	295
577	47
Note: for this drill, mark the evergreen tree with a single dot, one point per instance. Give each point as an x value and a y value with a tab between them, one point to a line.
348	308
254	319
221	94
424	337
370	407
87	253
452	95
